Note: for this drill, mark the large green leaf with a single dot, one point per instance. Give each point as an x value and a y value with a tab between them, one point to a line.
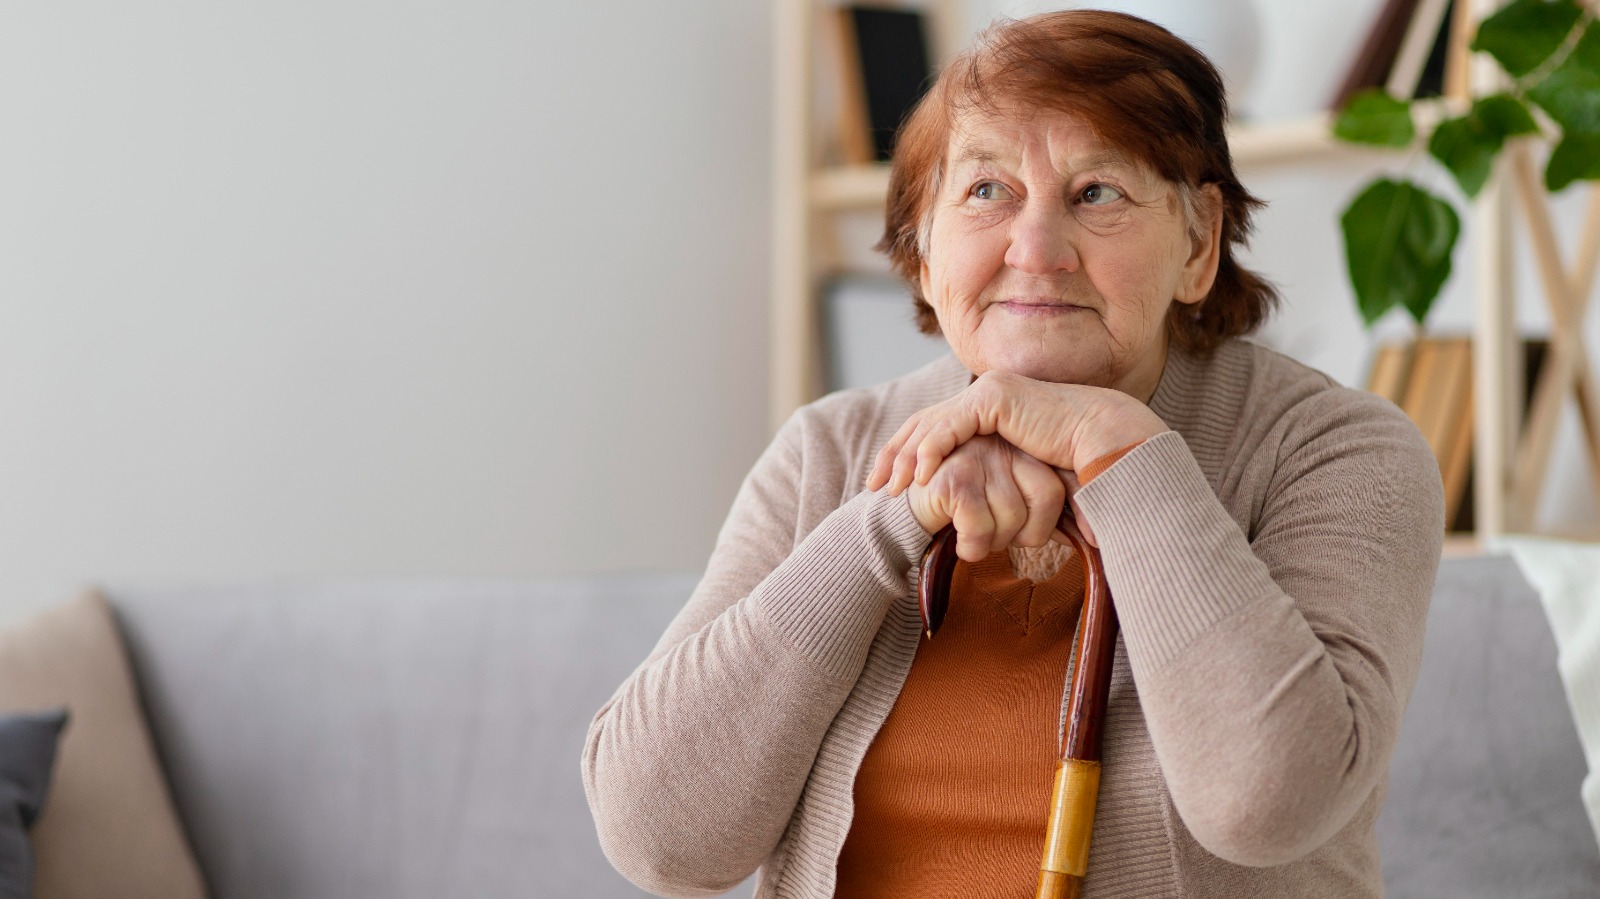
1576	157
1467	145
1526	32
1571	94
1374	117
1398	239
1504	115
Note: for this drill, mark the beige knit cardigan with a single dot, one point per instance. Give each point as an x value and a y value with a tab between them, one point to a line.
1271	560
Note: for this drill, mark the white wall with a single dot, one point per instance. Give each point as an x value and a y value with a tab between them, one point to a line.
426	289
376	289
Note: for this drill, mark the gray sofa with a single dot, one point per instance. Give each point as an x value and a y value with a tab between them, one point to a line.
417	740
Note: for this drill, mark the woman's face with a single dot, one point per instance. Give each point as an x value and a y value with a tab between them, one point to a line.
1054	256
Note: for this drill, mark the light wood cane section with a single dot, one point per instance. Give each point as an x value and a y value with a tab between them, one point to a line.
1072	804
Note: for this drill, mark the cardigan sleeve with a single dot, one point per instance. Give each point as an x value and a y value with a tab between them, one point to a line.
1273	666
694	766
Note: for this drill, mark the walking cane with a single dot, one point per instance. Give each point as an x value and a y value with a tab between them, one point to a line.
1077	783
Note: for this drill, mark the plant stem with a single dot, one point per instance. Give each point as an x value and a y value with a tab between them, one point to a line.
1522	85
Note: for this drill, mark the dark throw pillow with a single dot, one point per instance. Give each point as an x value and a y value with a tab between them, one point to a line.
27	751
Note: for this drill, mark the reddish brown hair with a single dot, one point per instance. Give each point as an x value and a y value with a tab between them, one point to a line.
1143	90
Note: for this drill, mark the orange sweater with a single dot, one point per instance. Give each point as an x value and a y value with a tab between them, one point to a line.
952	796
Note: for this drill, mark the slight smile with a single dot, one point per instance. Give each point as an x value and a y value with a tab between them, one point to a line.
1040	307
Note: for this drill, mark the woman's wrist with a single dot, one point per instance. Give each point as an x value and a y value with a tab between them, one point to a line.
1125	423
917	498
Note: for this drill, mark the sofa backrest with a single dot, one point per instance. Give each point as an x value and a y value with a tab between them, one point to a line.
416	740
390	740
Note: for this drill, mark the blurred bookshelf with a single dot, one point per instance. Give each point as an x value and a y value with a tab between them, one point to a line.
814	188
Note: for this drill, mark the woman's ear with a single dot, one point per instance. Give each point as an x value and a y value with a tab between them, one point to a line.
1200	269
923	280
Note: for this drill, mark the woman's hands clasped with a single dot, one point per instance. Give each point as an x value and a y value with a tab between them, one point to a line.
995	495
996	491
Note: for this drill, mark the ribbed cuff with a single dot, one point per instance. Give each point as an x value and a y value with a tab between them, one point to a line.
829	597
1176	562
1094	469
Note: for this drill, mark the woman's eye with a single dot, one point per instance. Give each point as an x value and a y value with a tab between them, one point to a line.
1099	194
990	190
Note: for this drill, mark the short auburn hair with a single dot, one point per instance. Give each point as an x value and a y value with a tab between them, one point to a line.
1141	88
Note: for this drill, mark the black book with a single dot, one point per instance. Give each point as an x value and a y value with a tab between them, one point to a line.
1431	84
891	49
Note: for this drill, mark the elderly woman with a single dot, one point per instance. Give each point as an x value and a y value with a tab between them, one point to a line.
1065	211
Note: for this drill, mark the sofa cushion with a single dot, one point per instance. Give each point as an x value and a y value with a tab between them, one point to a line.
27	754
391	740
1484	783
109	828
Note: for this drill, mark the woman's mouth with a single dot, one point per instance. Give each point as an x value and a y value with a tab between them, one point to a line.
1039	308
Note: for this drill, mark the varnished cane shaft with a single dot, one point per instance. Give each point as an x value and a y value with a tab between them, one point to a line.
1077	785
1091	672
1059	886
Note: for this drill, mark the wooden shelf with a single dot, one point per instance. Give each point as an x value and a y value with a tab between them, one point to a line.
1282	143
845	187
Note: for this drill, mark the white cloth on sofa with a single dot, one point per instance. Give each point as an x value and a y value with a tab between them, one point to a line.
1566	576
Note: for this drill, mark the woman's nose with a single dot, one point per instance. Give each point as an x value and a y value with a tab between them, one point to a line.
1042	241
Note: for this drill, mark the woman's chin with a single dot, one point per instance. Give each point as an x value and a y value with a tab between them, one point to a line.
1060	367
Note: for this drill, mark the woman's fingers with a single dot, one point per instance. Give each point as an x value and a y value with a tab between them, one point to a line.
995	496
973	519
883	466
897	460
1007	505
926	439
905	461
939	441
1044	496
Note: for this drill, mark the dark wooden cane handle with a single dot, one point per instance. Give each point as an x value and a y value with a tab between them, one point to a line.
933	587
1097	645
939	565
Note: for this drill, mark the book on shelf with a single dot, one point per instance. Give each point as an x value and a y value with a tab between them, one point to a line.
1438	398
1391	366
1431	380
1370	67
1426	43
1407	51
885	69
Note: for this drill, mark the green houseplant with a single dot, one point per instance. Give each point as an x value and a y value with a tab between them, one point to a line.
1398	235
